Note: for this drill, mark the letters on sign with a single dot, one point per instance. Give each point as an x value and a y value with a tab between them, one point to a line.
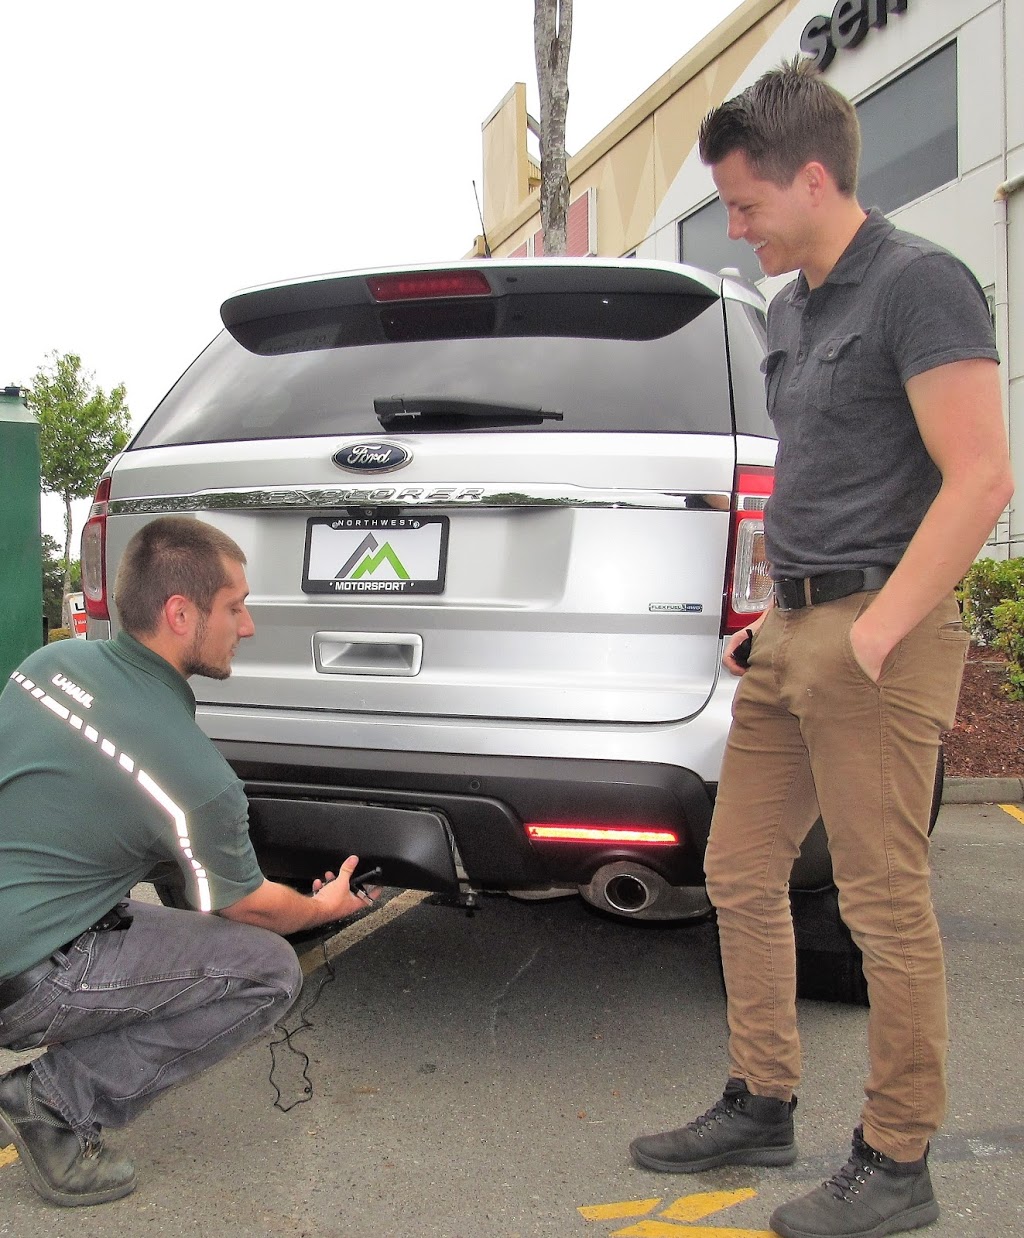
849	24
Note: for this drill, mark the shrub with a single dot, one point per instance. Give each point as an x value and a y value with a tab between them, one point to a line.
59	634
1008	617
987	584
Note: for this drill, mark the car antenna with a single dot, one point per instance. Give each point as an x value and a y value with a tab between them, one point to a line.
483	230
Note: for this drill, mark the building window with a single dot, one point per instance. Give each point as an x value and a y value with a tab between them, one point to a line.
909	131
704	242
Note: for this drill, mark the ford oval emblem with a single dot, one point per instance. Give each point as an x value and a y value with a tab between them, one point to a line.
377	457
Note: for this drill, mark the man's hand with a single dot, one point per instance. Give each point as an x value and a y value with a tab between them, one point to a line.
736	640
284	910
869	649
331	887
743	639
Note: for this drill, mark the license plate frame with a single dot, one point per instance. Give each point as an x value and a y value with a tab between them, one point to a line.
346	556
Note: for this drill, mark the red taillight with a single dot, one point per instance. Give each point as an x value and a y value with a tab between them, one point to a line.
94	554
425	284
748	584
602	834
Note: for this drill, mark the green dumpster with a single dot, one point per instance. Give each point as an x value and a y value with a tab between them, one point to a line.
21	555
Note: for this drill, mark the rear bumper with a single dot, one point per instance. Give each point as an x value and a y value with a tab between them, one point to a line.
310	807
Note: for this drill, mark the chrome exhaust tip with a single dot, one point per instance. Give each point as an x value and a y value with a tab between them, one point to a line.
635	892
627	893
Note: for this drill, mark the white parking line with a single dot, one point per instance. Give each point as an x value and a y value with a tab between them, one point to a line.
313	957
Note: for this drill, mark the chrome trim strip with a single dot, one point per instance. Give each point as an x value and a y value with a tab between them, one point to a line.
305	498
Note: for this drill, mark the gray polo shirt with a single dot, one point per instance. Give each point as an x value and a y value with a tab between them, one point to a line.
853	479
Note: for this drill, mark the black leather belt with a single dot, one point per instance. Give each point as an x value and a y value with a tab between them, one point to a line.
794	593
17	986
25	981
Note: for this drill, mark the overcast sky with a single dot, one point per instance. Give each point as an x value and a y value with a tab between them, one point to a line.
158	158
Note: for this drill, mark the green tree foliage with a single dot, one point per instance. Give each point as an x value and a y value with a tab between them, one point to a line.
53	581
81	428
992	597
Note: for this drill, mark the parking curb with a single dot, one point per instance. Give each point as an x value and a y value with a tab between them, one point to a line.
983	791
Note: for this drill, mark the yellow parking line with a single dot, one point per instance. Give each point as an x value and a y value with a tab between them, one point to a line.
697	1207
659	1229
1014	811
618	1212
686	1208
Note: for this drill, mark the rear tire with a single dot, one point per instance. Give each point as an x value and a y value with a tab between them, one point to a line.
829	964
940	778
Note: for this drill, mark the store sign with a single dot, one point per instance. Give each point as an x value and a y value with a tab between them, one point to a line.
849	24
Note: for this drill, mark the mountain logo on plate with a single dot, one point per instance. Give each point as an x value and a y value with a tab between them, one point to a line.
376	457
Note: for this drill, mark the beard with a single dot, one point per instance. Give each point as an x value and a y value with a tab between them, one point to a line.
194	663
193	666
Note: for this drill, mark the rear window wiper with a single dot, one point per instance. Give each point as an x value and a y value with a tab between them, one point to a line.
419	412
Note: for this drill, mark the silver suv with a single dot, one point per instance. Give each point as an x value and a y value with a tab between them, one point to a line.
499	517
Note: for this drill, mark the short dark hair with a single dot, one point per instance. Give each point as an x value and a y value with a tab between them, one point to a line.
170	555
789	117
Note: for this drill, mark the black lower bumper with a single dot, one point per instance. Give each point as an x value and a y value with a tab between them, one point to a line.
310	808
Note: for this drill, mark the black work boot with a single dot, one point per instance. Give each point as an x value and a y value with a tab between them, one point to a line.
870	1196
63	1168
740	1129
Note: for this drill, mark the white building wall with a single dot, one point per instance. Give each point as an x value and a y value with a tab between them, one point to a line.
1011	319
1013	17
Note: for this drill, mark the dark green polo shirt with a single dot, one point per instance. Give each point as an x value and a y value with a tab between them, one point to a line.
103	773
853	479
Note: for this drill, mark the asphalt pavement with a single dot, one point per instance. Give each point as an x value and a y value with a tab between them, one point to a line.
482	1075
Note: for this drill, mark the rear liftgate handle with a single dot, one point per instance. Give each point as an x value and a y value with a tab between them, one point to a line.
368	653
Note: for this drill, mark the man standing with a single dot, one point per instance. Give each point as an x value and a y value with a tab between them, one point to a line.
892	469
104	773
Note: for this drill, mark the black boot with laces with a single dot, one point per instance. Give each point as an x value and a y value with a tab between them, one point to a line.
740	1129
65	1169
872	1195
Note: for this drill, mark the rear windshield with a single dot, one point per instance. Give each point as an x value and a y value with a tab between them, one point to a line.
606	362
748	342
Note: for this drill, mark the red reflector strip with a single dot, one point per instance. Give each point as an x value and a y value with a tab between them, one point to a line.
429	284
601	834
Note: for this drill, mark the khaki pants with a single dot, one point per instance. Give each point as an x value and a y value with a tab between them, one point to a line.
811	731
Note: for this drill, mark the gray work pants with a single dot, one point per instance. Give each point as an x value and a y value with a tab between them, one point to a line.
127	1014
